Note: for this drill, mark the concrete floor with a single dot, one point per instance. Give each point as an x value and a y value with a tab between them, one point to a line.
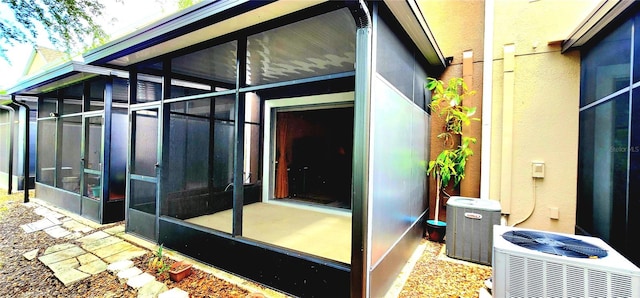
324	234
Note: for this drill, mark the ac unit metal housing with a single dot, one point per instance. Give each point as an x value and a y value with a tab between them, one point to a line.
469	231
523	272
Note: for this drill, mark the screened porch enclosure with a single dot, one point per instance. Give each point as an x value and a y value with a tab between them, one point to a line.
80	164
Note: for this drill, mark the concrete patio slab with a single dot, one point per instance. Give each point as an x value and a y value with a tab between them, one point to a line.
61	255
57	232
152	289
100	243
93	237
68	277
57	248
125	255
174	293
138	281
64	265
119	266
30	255
87	258
93	267
113	249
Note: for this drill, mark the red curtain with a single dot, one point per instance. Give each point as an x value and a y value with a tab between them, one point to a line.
282	143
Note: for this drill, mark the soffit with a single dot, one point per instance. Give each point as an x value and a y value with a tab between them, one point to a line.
177	31
412	20
605	13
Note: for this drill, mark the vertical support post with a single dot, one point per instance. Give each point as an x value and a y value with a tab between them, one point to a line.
238	148
105	171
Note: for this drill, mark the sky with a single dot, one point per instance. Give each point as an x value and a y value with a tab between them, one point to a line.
117	20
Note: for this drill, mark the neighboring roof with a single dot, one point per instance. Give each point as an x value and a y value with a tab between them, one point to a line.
46	56
606	12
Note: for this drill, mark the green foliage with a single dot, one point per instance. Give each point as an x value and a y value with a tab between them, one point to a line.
447	101
68	23
157	263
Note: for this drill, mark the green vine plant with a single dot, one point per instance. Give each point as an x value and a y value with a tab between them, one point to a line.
447	103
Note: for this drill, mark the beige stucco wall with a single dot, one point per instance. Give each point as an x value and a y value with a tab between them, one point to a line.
544	96
542	89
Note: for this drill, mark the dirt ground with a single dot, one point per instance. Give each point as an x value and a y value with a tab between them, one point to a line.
431	276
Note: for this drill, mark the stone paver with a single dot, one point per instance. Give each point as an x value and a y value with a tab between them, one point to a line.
68	277
152	289
129	273
93	237
57	248
75	226
57	232
113	249
125	255
62	255
87	258
119	266
67	264
116	230
30	255
100	243
138	281
174	293
93	267
38	225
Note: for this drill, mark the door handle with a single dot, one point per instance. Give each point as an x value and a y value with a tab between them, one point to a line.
157	165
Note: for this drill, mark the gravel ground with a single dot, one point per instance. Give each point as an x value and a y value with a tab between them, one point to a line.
433	275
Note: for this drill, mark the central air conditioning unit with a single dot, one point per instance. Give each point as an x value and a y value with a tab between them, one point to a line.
531	263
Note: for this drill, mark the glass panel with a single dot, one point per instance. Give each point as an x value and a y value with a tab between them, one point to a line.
93	146
145	146
92	186
69	166
184	88
119	141
253	105
188	165
96	95
149	90
395	60
223	155
143	196
48	106
46	151
602	160
633	225
636	48
251	154
225	107
320	45
120	90
606	66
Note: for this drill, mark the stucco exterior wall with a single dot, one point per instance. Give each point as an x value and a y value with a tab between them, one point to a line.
457	33
540	88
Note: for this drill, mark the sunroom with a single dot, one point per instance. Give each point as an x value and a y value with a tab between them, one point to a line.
281	141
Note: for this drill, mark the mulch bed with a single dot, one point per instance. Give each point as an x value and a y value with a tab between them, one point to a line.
20	277
435	275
